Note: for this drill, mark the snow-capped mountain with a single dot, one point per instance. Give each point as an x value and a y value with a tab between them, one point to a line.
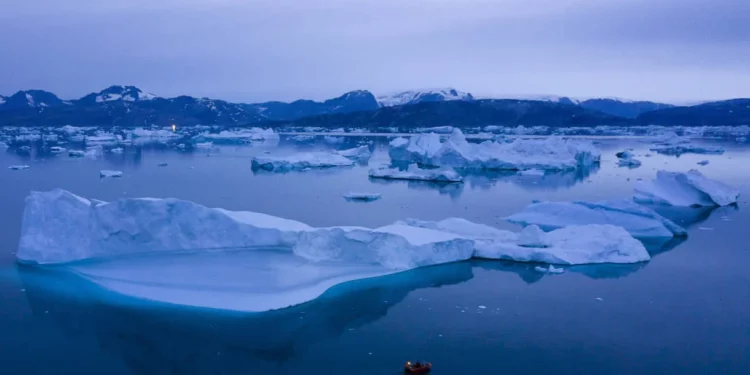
413	97
31	99
2	100
118	93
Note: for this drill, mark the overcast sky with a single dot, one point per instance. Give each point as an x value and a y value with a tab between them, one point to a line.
257	50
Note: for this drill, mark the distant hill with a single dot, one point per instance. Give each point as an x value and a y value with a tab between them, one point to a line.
467	113
726	112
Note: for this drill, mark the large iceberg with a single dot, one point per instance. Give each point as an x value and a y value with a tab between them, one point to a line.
548	154
301	161
240	135
641	222
60	227
685	189
413	172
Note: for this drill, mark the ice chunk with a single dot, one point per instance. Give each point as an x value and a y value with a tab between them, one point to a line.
240	135
301	161
531	172
703	162
361	152
204	145
679	149
578	244
109	173
552	269
333	140
639	221
117	150
62	227
547	154
396	246
413	172
76	153
19	167
627	159
56	149
685	189
303	138
367	197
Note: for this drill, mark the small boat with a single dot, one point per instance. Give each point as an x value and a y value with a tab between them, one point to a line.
417	368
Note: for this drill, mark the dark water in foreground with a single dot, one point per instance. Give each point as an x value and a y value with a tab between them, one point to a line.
685	312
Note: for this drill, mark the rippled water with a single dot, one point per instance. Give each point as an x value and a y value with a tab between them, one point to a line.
687	311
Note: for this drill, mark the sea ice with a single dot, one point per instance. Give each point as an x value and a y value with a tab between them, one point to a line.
552	269
301	161
333	140
627	159
56	149
367	197
547	154
703	162
531	172
109	173
19	167
639	221
76	153
361	153
117	150
413	172
240	135
685	189
303	138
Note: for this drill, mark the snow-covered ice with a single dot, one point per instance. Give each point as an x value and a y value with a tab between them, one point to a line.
551	153
361	152
19	167
685	189
639	221
301	161
413	172
110	173
367	197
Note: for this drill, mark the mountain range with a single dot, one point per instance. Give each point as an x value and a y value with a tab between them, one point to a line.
130	106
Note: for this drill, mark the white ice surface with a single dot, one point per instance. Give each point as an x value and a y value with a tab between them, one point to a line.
109	173
639	221
19	167
551	153
301	161
531	172
361	152
685	189
240	135
413	172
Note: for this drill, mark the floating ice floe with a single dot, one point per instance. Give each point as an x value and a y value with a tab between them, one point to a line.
627	159
546	154
76	153
672	144
56	149
703	162
531	172
333	140
301	161
19	167
60	227
303	138
366	197
685	189
361	153
413	172
552	269
117	150
108	173
240	135
639	221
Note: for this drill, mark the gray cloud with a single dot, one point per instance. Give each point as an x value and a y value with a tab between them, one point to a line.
286	49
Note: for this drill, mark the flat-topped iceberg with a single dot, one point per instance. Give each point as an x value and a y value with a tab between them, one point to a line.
685	189
641	222
413	172
301	161
240	135
551	153
361	152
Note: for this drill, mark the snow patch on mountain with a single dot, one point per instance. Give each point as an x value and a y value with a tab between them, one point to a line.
413	97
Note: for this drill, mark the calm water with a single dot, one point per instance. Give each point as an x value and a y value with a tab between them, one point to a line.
686	312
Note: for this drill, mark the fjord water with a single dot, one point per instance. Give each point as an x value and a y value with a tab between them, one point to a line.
686	311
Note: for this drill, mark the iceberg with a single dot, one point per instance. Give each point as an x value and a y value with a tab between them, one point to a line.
531	172
641	222
108	173
117	150
678	150
302	138
361	153
577	244
552	269
240	135
76	153
300	161
19	167
413	172
551	153
366	197
685	189
703	162
204	145
333	140
627	159
56	149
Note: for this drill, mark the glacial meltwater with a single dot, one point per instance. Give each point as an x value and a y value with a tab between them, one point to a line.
686	311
